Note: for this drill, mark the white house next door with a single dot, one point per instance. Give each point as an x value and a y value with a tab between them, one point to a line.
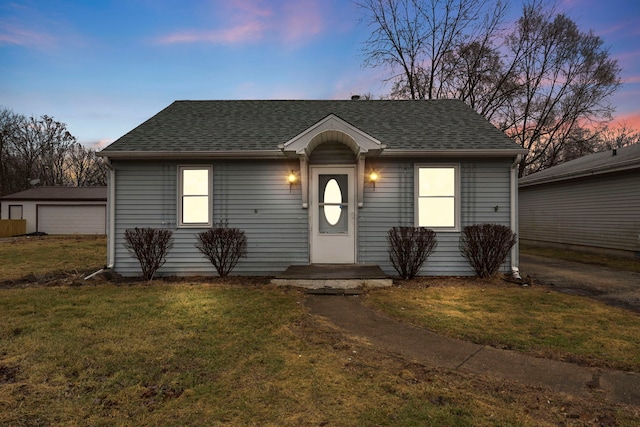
333	215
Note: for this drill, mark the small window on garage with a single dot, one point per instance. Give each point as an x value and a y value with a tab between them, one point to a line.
15	211
195	196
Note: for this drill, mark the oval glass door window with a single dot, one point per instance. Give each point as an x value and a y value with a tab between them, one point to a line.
332	201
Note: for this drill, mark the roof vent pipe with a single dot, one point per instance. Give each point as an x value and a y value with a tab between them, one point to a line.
355	97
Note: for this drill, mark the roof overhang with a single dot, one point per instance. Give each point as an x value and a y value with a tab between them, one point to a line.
455	153
532	180
335	136
332	129
191	155
52	199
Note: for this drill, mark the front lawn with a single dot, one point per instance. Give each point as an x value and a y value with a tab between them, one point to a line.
210	352
531	320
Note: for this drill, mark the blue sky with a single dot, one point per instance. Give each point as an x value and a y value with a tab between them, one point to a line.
102	67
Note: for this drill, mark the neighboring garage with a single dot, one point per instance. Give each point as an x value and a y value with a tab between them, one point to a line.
87	219
59	210
590	204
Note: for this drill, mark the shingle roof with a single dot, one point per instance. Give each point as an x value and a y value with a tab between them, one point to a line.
219	126
625	158
61	194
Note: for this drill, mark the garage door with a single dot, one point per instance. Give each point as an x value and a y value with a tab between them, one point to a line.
70	219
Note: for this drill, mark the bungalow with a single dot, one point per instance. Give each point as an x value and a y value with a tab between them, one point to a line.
310	182
590	204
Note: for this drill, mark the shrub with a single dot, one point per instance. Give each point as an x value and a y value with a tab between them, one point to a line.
223	246
486	247
150	246
409	248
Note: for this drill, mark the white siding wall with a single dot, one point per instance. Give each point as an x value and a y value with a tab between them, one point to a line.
598	212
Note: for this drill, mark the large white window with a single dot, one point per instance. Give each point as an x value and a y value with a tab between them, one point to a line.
195	196
438	196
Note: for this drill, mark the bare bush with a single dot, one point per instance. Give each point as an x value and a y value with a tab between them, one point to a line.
223	246
409	248
486	247
150	246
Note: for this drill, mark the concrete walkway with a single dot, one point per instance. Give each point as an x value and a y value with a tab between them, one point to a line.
349	314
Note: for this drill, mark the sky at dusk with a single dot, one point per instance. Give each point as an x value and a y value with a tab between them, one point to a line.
103	67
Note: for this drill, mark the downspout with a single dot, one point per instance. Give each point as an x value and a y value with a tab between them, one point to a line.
111	231
111	243
515	250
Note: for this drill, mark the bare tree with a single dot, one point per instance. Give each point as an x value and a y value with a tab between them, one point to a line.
415	38
10	125
84	168
541	83
586	141
40	149
43	150
565	78
619	136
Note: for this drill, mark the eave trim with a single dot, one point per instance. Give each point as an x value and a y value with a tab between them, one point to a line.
454	153
584	173
183	155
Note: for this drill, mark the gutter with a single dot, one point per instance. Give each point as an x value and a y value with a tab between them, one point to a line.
278	154
583	173
455	153
515	250
196	155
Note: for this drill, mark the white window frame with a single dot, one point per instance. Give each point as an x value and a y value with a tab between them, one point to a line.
181	223
456	195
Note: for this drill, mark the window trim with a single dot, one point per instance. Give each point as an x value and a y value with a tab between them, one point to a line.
456	195
16	206
180	196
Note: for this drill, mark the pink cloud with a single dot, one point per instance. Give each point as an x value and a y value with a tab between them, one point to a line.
290	21
99	144
15	35
302	19
241	33
631	120
253	8
627	56
631	79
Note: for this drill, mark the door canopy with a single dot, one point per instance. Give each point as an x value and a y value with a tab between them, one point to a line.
332	129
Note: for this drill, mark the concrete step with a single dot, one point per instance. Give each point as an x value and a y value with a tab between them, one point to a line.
333	276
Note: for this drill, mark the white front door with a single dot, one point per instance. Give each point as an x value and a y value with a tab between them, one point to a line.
333	215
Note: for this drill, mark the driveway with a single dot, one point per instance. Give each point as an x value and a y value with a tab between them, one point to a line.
615	287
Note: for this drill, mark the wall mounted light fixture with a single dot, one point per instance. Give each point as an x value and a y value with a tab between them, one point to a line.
292	179
373	178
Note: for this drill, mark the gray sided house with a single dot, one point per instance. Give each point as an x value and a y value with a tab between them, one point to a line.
590	204
299	178
59	210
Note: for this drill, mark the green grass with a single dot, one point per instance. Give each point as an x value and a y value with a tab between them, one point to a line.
51	255
617	263
212	353
530	320
206	354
